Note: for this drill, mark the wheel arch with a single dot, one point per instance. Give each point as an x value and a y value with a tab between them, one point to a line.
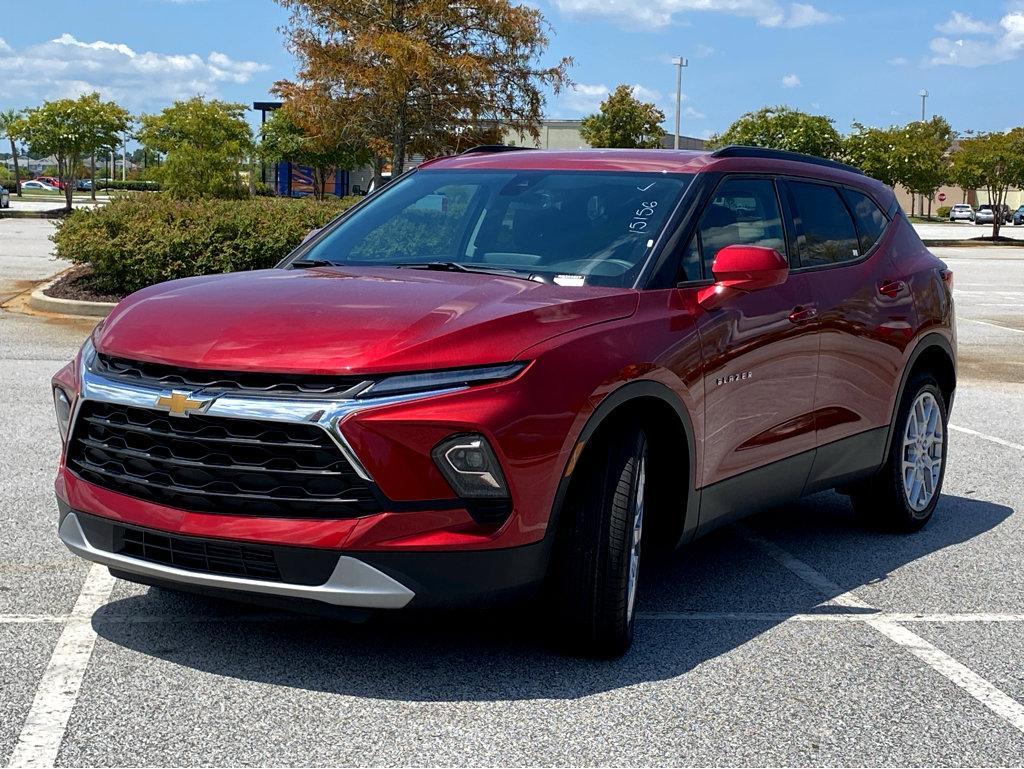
665	420
933	352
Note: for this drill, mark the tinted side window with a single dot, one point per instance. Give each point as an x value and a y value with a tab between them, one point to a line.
742	212
827	235
870	219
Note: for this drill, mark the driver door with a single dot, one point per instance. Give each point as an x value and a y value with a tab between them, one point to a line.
760	362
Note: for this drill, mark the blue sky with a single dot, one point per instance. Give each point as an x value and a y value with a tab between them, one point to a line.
862	60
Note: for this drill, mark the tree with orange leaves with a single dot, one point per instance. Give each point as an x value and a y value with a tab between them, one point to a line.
422	76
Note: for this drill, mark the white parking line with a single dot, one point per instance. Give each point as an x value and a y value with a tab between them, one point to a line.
846	616
20	619
983	691
993	325
47	719
985	436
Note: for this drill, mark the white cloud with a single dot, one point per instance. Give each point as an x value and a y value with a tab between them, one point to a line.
1004	42
693	114
584	97
67	67
703	51
659	13
898	61
962	24
4	48
790	81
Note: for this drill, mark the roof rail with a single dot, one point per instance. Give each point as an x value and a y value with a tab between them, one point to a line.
493	148
743	151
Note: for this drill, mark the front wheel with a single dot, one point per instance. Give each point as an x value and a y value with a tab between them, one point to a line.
904	493
597	566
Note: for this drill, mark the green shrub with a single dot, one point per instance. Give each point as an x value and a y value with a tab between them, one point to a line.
138	240
943	212
135	185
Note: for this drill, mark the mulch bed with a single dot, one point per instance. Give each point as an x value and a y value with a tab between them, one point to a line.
77	284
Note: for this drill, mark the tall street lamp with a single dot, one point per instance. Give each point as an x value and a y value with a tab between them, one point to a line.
679	62
924	95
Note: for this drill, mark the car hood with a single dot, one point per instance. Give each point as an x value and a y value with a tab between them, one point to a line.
362	320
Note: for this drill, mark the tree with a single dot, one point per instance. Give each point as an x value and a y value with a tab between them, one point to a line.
9	118
204	143
783	128
418	75
624	121
295	135
873	150
71	130
922	156
993	162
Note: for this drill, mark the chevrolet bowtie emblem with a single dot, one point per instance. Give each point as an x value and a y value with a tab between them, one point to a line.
180	404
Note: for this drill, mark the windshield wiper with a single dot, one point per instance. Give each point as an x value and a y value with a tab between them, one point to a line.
459	267
300	263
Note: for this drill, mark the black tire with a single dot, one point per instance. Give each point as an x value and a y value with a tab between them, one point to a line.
881	500
590	601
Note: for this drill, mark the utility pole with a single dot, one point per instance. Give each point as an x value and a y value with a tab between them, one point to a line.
679	62
124	158
924	95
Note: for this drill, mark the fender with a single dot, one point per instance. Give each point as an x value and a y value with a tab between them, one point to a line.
642	388
930	340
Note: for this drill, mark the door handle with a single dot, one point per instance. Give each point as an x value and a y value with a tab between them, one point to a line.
892	288
803	314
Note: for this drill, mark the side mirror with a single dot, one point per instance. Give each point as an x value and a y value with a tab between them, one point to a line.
744	268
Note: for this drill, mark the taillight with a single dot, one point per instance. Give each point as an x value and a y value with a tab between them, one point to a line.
947	277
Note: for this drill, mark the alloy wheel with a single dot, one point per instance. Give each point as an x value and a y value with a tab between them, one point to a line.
922	451
638	525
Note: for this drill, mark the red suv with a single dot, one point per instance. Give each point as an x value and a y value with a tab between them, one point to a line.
508	372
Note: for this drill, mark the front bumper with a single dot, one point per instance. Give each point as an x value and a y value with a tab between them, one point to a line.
364	580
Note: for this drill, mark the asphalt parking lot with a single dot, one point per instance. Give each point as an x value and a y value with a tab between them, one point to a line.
794	638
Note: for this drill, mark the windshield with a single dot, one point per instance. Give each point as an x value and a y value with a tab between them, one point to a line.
566	227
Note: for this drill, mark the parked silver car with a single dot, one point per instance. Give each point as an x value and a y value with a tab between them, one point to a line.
984	215
961	212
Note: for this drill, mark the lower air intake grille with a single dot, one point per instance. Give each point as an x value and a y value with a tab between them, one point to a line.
207	556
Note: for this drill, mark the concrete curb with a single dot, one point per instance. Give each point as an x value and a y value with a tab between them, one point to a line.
39	301
52	213
939	243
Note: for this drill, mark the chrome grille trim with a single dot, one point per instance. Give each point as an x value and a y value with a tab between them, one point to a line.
327	414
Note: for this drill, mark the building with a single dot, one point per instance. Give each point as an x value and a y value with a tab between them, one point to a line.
289	179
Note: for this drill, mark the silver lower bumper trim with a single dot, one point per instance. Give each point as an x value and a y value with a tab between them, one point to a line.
352	583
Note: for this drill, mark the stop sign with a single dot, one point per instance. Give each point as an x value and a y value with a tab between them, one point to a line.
942	196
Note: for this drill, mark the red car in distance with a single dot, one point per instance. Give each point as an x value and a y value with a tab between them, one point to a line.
513	373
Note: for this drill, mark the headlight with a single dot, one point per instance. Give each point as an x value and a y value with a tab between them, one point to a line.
469	465
441	380
62	404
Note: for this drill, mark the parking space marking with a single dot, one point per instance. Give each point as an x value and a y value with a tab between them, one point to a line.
986	436
845	616
19	619
993	325
959	674
43	730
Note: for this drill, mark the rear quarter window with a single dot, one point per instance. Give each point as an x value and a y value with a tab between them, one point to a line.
871	222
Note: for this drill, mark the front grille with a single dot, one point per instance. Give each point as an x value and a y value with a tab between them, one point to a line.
217	465
207	556
242	382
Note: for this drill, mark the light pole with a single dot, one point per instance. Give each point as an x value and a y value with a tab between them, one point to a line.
680	62
924	95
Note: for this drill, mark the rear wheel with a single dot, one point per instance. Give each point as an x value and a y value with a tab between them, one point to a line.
597	566
906	490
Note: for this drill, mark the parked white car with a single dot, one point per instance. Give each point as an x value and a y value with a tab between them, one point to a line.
961	212
35	184
5	198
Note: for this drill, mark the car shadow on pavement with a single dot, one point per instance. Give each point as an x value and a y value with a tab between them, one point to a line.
502	655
